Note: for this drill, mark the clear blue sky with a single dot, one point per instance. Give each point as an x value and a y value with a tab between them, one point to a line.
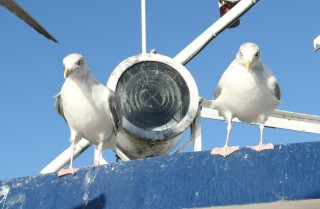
107	32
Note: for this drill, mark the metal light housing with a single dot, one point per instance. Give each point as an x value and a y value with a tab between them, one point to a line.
159	101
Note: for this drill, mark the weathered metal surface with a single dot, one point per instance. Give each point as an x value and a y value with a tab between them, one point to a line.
185	180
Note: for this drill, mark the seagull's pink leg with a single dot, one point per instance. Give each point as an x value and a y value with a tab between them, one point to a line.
100	152
226	150
97	157
70	170
260	147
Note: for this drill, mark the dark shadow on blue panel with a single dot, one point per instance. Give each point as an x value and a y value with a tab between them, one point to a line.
98	202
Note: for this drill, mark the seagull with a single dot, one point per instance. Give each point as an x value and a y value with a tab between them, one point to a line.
248	91
91	110
16	9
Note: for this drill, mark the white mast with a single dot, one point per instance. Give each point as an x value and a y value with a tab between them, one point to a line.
143	26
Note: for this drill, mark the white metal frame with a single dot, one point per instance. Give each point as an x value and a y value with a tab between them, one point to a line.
277	119
143	27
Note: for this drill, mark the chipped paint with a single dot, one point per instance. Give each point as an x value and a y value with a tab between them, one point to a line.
88	180
280	197
4	191
16	201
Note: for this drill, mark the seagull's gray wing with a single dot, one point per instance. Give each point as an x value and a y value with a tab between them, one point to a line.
115	111
277	91
272	82
217	92
59	106
15	8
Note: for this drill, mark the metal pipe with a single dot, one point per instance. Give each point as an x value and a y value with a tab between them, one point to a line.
64	158
196	132
277	119
143	26
201	41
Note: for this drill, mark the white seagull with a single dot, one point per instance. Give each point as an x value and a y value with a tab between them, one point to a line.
247	90
91	110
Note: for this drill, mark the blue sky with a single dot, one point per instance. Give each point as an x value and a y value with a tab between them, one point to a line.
107	32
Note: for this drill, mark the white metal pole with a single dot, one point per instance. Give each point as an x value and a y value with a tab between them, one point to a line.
201	41
121	154
64	158
196	132
277	119
143	26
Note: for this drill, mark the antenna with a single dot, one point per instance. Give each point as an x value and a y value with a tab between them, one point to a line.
143	26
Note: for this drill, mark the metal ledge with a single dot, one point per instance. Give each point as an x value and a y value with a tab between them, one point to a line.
186	180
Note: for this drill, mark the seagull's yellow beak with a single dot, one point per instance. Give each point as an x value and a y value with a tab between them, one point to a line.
248	64
66	72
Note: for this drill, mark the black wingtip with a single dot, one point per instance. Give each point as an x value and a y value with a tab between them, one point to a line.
16	9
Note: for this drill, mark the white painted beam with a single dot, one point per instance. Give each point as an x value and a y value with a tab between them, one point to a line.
64	158
277	119
222	23
196	132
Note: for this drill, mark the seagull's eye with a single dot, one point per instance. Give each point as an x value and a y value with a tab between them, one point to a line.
240	53
257	54
80	62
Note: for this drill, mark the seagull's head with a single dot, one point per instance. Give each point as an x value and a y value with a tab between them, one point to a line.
74	64
249	55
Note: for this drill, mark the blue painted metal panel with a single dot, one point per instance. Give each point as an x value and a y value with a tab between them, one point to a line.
186	180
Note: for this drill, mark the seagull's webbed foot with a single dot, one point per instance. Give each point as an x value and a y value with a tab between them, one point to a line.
261	147
224	151
64	172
